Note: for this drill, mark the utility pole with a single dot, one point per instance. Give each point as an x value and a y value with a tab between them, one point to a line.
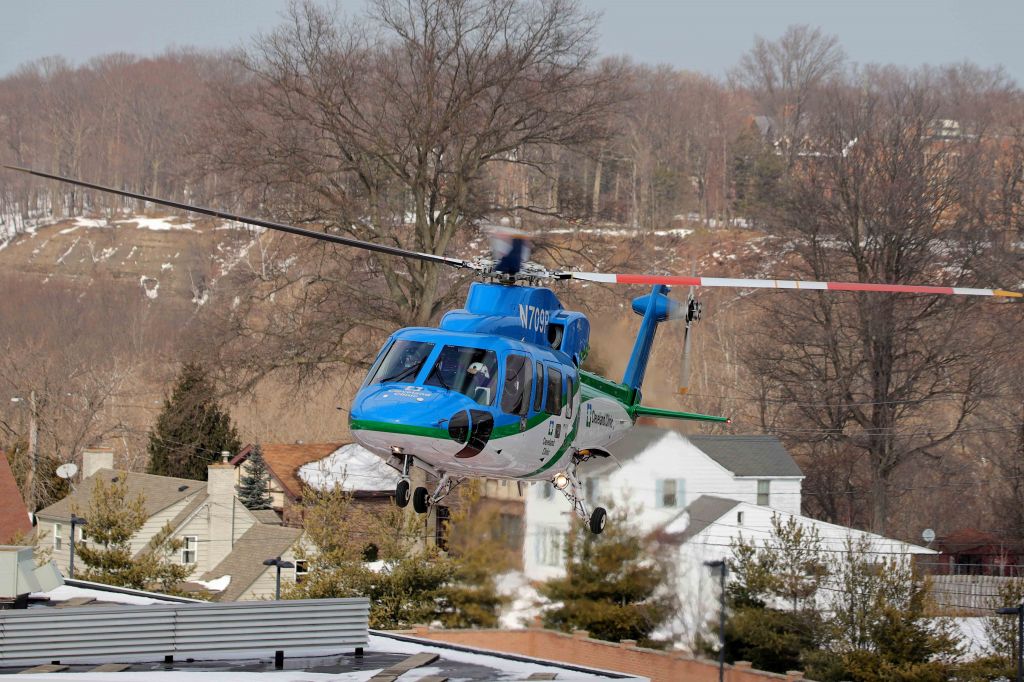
722	567
33	451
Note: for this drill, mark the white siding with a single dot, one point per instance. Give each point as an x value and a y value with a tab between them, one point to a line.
265	586
199	526
155	523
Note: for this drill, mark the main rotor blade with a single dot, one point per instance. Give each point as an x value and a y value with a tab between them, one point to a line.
280	227
674	280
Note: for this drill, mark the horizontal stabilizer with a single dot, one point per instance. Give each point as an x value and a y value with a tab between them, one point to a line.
642	411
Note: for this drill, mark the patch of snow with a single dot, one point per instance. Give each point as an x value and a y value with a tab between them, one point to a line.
152	291
526	604
353	467
70	249
87	223
157	224
166	266
201	299
217	584
973	636
66	592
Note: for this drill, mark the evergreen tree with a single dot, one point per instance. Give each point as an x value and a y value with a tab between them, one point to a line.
192	429
614	587
107	552
253	485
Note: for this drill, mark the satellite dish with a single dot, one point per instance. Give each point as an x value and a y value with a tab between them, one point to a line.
67	470
928	535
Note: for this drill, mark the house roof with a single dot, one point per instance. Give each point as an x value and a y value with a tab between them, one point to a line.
285	459
702	512
159	492
742	455
749	455
963	540
245	562
14	518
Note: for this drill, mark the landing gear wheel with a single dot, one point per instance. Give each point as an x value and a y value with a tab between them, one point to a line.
402	493
419	500
597	520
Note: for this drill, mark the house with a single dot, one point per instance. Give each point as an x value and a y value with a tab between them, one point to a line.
655	473
969	551
14	517
710	526
221	538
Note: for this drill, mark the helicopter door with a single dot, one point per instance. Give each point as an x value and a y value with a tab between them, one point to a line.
515	396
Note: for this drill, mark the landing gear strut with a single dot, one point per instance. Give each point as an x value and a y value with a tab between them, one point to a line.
402	489
570	486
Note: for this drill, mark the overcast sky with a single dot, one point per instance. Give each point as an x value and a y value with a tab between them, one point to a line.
701	35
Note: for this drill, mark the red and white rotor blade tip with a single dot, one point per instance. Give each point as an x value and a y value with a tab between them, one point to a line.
806	285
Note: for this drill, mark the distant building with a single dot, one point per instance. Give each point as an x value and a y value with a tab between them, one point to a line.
220	536
656	473
969	551
15	521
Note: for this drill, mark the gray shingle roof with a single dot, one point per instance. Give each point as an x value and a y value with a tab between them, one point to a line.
742	455
749	455
703	512
159	492
245	562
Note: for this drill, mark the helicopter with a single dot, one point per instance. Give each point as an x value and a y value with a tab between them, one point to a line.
498	389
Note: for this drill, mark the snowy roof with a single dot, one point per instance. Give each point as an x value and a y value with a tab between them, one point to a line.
285	459
354	468
84	593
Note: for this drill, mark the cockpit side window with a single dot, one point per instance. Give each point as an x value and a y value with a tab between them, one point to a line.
515	396
569	394
554	401
538	381
470	371
402	362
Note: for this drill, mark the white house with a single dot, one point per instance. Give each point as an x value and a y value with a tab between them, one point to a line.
707	529
656	473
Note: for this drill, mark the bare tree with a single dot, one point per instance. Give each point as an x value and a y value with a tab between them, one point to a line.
784	75
889	195
383	128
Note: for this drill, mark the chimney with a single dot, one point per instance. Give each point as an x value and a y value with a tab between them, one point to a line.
220	486
96	458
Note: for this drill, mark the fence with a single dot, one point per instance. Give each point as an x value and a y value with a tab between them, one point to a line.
968	594
133	633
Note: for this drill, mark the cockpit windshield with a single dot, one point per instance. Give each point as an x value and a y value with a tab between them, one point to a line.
470	371
402	362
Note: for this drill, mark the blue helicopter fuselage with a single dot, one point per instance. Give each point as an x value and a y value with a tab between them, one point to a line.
494	391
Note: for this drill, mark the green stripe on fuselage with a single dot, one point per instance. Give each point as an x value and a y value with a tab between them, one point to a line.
569	438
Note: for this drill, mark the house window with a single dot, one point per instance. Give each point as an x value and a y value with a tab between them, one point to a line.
81	534
763	493
441	533
189	549
58	539
510	530
739	518
669	493
548	547
301	570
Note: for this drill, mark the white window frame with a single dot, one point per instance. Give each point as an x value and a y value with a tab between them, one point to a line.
549	546
58	540
191	545
680	493
767	492
301	569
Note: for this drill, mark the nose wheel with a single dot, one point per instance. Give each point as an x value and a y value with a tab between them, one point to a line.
419	500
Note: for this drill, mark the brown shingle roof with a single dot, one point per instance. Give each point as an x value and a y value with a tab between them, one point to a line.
13	512
284	461
159	492
245	562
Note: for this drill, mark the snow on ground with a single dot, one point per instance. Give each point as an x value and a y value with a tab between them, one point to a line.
620	232
972	633
526	603
353	467
66	592
156	224
150	285
217	584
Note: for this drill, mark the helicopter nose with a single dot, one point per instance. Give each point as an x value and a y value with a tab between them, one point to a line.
472	428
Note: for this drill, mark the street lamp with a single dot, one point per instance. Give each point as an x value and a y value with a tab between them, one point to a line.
1019	612
276	561
722	569
75	521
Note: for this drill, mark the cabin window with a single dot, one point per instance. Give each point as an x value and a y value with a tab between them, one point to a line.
538	381
554	401
469	371
515	396
764	491
568	400
402	362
